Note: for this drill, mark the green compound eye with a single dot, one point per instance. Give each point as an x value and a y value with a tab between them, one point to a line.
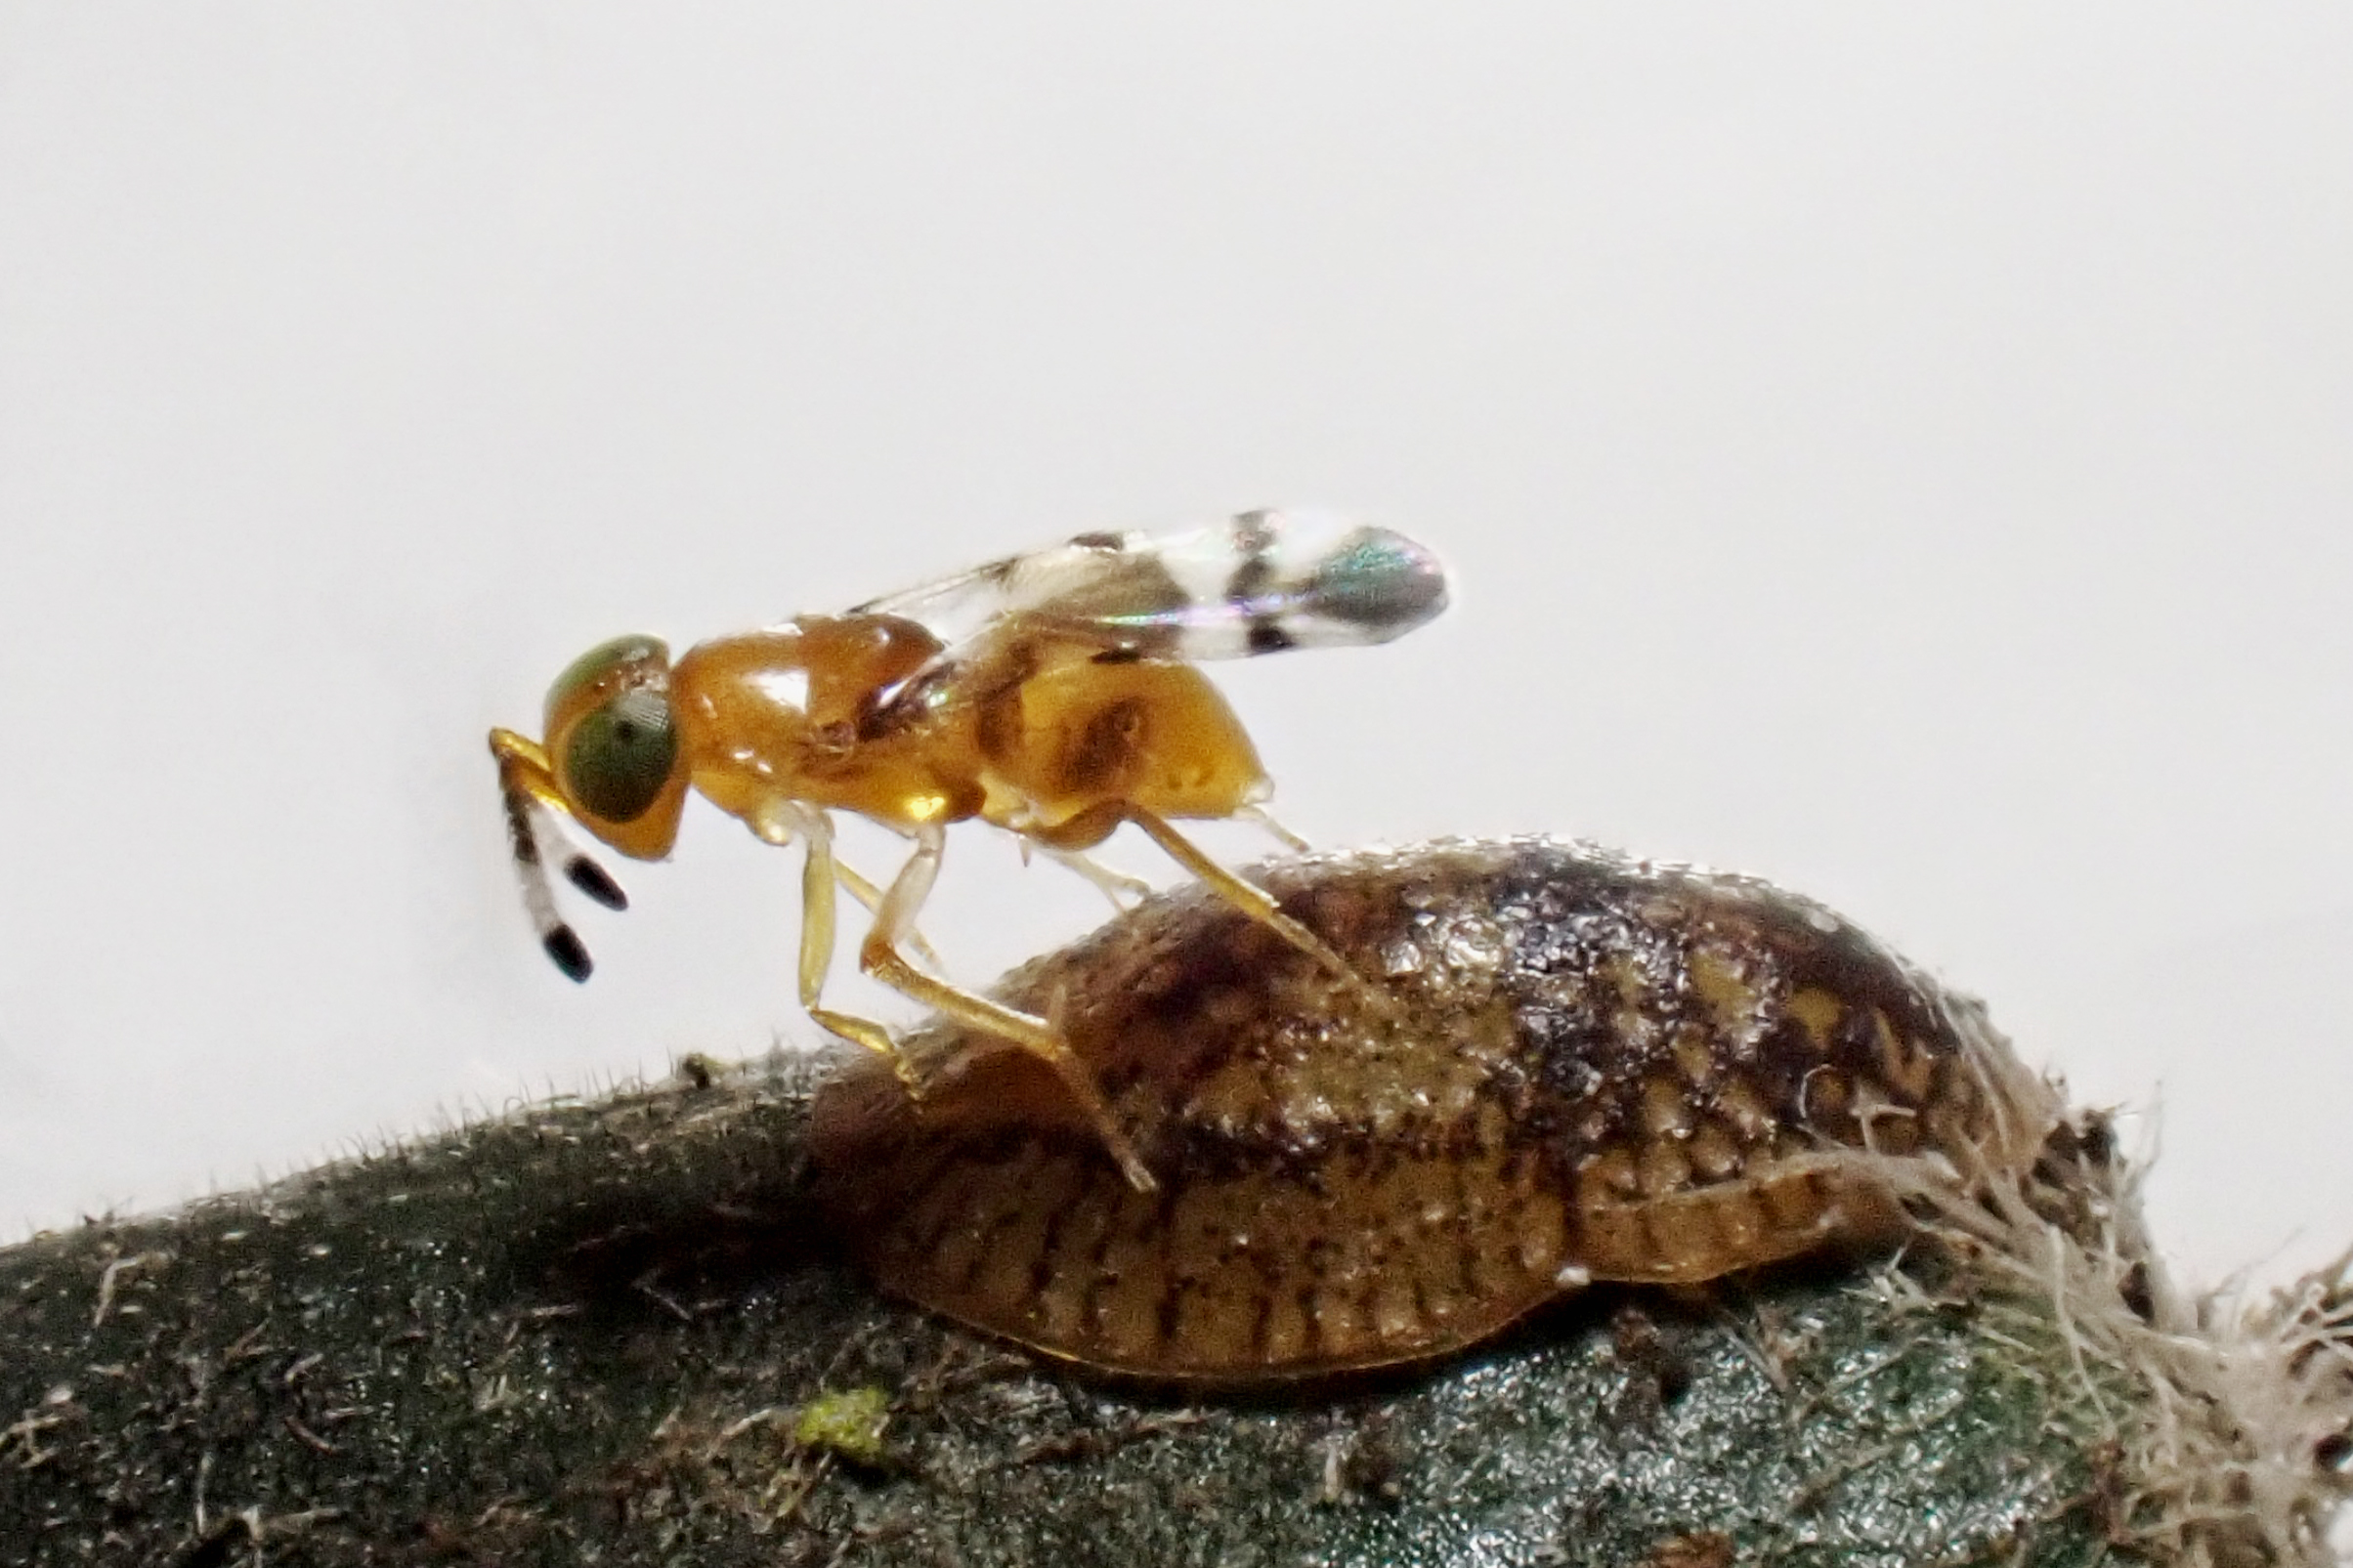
604	659
621	755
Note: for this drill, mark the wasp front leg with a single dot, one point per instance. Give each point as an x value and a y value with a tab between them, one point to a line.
878	956
820	872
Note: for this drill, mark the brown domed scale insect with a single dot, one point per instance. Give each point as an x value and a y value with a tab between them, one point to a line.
1052	695
1597	1069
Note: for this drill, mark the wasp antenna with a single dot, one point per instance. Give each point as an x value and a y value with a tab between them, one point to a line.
563	944
569	953
592	879
522	837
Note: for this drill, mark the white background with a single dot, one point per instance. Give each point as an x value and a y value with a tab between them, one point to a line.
1903	451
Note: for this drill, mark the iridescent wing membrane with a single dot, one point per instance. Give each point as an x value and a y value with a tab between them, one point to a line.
1256	583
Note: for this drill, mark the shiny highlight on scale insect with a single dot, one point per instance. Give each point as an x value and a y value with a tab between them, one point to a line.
1052	695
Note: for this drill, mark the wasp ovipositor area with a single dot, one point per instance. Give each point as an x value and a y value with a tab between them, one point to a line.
1595	1069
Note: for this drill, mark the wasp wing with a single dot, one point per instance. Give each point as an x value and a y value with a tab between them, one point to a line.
1258	583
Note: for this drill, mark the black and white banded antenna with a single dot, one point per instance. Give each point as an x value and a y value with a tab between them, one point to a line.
563	944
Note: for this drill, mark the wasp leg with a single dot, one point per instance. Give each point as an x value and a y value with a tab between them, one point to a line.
819	871
894	921
870	899
1264	818
779	821
1116	886
879	956
527	783
1252	901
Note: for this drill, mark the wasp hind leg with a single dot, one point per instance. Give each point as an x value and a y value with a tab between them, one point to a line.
1116	886
880	956
1252	900
1261	816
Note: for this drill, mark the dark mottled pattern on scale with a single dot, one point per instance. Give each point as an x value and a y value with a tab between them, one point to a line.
1590	1068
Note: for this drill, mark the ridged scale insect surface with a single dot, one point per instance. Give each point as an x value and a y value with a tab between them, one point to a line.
1598	1070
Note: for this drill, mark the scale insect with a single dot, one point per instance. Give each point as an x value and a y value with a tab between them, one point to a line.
1053	694
1598	1069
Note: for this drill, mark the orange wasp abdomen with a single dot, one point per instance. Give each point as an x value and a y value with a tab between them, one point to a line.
1069	747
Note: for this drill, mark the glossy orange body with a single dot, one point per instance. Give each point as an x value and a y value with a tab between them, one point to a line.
1050	741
